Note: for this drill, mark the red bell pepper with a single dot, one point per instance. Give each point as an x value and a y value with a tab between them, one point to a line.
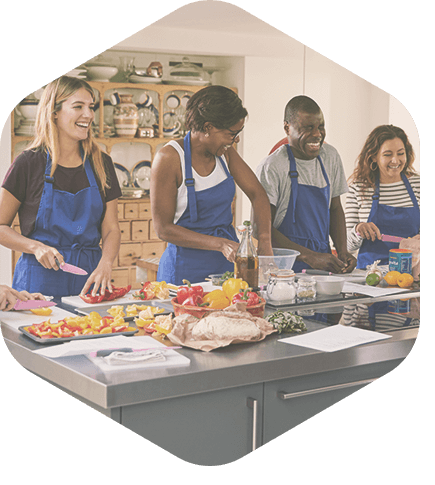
117	292
194	300
185	292
250	297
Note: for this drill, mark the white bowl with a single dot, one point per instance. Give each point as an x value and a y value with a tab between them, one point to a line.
329	285
101	73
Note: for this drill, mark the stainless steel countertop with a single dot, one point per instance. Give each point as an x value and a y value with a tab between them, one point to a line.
233	366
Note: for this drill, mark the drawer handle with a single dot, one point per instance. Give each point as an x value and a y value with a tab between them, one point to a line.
285	395
253	404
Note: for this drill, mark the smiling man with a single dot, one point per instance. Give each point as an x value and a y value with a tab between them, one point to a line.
304	180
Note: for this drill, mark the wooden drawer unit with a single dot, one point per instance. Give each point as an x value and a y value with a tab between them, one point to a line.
120	277
138	239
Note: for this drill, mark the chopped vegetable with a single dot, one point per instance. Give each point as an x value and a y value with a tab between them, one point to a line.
117	292
287	322
152	290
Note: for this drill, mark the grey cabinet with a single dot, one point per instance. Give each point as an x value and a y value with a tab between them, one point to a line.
211	428
289	402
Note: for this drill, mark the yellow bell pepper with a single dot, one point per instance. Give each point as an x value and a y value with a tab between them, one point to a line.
216	299
232	286
42	311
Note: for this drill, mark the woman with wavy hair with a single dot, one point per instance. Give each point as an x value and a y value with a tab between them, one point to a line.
383	197
65	191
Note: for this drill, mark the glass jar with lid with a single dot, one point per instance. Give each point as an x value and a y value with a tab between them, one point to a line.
188	73
281	286
306	288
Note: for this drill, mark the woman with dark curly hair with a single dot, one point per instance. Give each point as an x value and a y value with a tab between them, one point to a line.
192	190
384	195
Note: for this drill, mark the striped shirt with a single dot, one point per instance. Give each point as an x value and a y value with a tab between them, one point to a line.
359	204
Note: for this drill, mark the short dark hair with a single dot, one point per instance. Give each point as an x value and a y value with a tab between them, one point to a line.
297	104
217	105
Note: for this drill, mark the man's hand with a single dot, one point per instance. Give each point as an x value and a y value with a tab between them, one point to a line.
348	260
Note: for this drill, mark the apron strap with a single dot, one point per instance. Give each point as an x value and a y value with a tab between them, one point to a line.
189	180
410	191
48	189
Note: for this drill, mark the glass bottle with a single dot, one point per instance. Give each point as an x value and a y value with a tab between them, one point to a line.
306	290
246	263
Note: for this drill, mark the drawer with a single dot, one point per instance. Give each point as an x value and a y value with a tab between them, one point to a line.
153	235
139	231
151	249
125	231
120	277
131	211
145	210
120	211
129	253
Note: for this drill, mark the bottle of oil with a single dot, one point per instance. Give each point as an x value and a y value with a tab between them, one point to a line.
246	263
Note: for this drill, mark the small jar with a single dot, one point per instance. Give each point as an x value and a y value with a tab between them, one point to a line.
281	286
306	289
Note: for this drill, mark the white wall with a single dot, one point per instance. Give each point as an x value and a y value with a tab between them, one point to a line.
268	68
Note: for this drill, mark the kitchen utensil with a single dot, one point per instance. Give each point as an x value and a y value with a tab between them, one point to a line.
70	268
281	259
106	352
31	304
387	238
316	271
101	73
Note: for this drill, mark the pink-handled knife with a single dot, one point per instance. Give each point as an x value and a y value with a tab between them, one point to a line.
391	238
31	304
70	268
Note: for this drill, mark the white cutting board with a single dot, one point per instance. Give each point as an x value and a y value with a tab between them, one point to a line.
77	302
16	319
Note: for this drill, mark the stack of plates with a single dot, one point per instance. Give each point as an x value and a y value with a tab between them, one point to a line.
26	128
134	78
78	73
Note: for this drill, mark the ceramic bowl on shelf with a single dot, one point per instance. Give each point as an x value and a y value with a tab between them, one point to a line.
101	73
123	175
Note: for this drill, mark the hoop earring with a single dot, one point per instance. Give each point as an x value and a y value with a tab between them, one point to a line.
371	166
207	135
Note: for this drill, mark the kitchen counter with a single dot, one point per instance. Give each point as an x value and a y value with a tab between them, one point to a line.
251	374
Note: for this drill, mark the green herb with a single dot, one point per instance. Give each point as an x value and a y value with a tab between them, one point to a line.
287	322
226	276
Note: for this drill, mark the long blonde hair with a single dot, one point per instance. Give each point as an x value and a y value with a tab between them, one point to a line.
46	132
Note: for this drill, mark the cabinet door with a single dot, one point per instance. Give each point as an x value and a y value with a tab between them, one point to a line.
289	402
153	249
211	428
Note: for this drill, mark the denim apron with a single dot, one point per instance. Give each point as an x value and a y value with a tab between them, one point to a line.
392	221
71	224
306	221
208	212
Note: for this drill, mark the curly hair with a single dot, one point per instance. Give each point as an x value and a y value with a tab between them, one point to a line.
363	172
217	105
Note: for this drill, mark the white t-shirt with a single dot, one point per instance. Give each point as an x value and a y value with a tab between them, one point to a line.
273	174
201	183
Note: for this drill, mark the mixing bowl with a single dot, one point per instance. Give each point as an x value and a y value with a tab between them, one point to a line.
281	259
329	285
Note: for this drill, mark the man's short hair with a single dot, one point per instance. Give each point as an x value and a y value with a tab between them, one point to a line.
297	104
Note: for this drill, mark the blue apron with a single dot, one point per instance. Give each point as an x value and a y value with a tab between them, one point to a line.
393	221
306	221
71	224
208	212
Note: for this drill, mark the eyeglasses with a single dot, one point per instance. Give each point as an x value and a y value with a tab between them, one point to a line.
235	134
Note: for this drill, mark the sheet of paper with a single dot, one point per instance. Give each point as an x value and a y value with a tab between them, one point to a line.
337	337
370	290
80	347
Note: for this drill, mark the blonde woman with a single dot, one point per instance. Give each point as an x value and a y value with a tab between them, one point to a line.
65	191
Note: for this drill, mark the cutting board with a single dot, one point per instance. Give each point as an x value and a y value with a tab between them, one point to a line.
16	319
77	302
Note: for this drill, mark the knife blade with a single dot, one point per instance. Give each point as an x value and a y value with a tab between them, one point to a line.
387	238
31	304
70	268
